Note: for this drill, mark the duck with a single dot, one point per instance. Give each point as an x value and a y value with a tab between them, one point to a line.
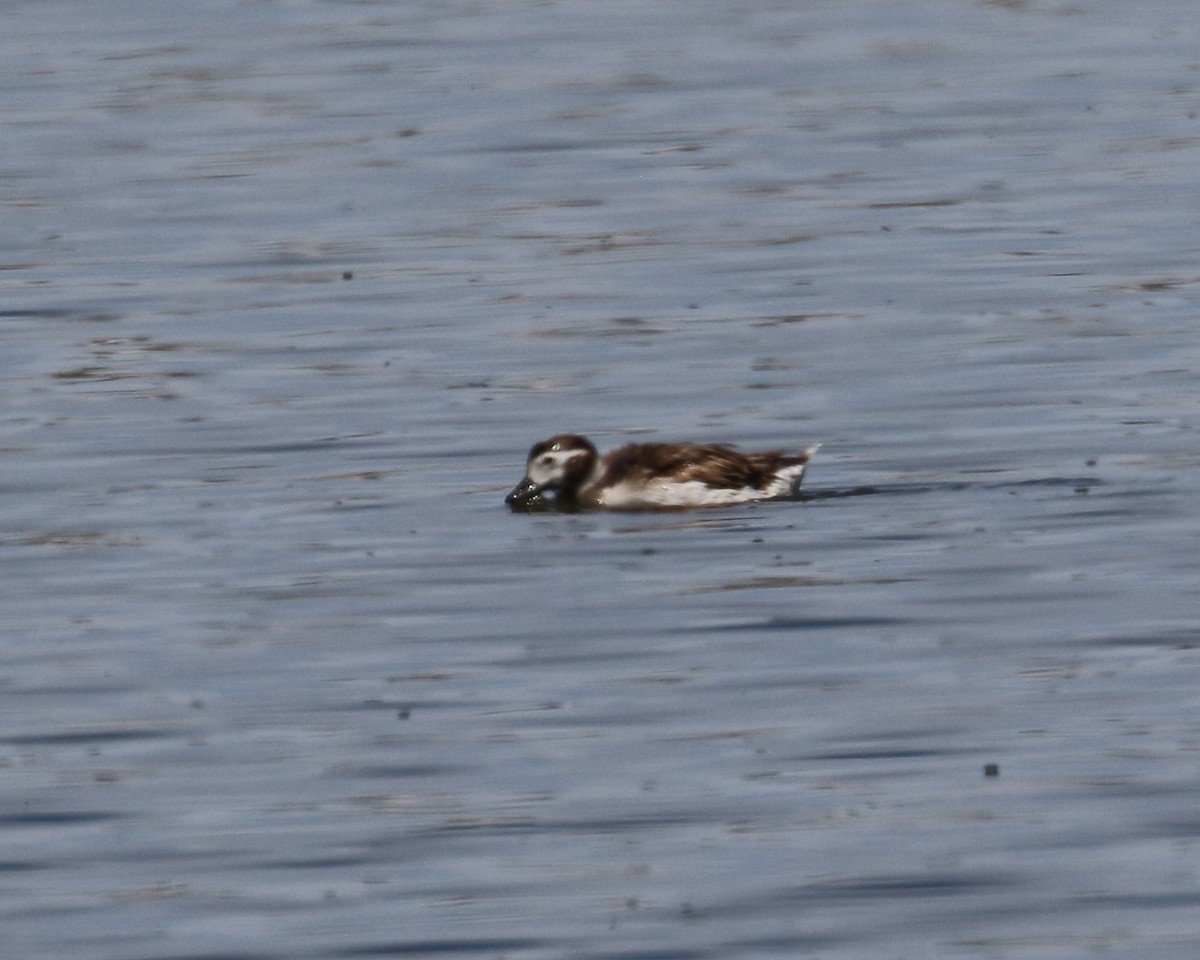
653	476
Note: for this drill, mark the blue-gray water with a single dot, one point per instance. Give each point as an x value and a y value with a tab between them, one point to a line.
287	289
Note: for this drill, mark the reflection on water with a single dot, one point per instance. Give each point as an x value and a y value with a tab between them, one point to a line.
287	288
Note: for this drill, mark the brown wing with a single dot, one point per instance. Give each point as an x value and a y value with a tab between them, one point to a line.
715	466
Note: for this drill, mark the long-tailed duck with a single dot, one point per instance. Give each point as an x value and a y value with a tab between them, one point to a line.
649	476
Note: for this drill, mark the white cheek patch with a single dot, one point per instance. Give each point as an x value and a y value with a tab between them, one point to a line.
552	466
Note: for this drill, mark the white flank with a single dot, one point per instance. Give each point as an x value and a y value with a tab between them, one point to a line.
786	483
664	492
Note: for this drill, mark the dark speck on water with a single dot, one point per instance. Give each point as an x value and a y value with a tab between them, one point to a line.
282	677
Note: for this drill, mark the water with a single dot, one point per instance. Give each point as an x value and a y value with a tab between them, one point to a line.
288	289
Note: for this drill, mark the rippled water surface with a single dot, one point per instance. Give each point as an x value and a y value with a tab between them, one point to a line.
287	289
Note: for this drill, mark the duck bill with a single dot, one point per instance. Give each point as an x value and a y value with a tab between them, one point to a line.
524	492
